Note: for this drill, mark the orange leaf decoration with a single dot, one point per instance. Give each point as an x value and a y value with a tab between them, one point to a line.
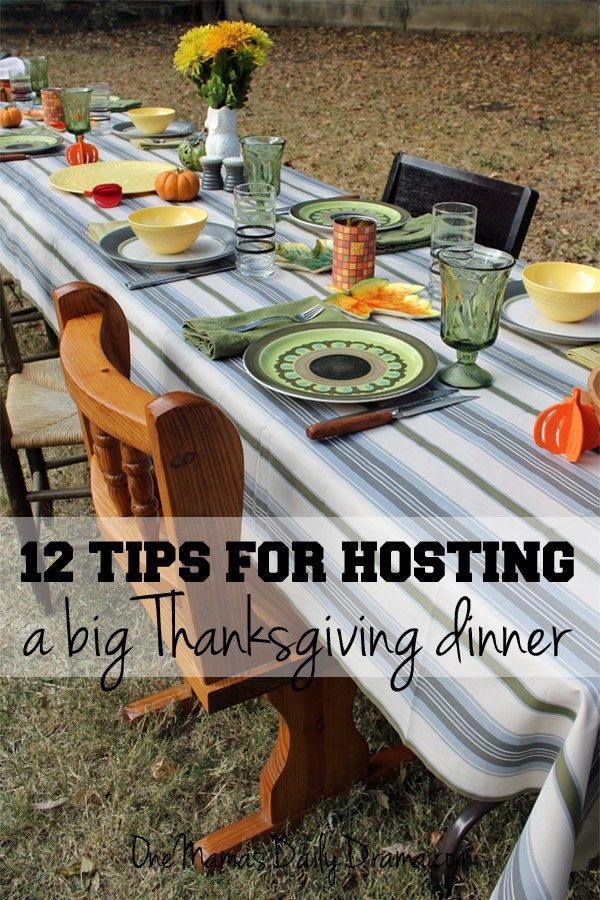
379	295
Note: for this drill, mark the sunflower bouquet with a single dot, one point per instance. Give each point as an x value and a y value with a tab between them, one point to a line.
220	60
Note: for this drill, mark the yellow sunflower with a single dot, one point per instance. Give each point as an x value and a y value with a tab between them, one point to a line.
190	52
236	36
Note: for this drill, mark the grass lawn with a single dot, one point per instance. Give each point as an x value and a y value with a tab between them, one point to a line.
523	109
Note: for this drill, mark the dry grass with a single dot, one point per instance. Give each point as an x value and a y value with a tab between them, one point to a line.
345	101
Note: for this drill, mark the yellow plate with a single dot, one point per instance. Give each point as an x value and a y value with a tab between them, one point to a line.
135	177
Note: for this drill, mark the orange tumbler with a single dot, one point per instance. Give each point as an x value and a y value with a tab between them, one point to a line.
353	249
52	108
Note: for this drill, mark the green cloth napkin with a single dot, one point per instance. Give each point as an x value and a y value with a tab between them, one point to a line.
97	230
153	144
119	105
416	233
217	341
588	356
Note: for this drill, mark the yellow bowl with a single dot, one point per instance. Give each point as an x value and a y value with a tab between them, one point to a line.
168	229
152	119
564	292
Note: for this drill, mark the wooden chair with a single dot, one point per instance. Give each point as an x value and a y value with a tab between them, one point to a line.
38	414
167	459
504	210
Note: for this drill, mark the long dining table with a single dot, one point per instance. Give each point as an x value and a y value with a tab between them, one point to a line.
496	732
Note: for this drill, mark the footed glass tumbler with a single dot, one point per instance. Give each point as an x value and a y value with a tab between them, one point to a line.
473	287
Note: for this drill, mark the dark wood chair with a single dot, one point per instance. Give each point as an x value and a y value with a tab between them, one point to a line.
37	414
159	462
504	210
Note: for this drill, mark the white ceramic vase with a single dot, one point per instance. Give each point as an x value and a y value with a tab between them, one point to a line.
221	126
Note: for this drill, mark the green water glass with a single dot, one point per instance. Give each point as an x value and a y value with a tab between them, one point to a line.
37	67
262	159
76	104
473	287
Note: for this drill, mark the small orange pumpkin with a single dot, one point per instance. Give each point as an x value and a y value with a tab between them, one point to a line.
178	185
10	117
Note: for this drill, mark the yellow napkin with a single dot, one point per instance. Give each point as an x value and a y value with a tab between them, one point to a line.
588	356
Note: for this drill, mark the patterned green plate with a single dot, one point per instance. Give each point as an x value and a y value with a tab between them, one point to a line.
345	363
28	140
318	213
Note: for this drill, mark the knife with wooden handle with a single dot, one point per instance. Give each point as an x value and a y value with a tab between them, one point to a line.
321	431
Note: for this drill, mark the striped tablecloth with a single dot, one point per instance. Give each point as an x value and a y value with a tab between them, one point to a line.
489	737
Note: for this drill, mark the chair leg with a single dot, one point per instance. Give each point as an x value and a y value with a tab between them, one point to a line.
40	482
20	508
443	876
318	753
179	694
52	337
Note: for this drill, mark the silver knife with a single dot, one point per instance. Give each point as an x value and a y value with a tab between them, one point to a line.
179	276
320	431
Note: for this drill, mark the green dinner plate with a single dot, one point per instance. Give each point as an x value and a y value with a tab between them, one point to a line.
340	363
318	213
28	140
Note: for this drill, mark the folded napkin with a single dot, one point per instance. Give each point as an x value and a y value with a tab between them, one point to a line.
216	340
97	230
153	144
588	356
119	105
416	233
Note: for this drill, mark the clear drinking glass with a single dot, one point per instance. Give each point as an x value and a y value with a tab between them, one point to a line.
262	159
20	88
76	105
100	107
472	292
453	226
254	222
37	67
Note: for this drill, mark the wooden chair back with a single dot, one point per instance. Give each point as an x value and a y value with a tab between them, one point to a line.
504	210
178	447
154	460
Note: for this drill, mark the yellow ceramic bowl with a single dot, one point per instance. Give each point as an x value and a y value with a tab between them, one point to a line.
564	292
152	119
168	229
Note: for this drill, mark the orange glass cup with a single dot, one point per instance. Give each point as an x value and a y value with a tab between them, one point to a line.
353	250
52	108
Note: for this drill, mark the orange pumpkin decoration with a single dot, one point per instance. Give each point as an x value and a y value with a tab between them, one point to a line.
10	117
570	427
178	185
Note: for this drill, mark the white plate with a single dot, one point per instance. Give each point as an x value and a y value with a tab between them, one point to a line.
215	242
520	314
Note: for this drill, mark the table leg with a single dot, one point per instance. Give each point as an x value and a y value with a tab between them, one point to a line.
318	753
443	876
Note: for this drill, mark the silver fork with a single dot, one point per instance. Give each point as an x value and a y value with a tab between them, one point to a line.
305	316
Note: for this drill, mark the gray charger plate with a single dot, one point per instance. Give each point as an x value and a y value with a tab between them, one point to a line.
176	129
29	140
214	242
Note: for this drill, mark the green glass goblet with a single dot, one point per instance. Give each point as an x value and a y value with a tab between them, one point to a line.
473	285
37	66
76	104
262	159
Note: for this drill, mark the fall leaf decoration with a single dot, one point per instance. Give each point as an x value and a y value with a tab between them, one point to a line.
380	295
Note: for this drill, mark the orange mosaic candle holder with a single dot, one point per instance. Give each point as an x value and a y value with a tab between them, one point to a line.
353	250
52	108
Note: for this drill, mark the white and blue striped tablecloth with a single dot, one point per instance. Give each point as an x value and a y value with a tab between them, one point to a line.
489	737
